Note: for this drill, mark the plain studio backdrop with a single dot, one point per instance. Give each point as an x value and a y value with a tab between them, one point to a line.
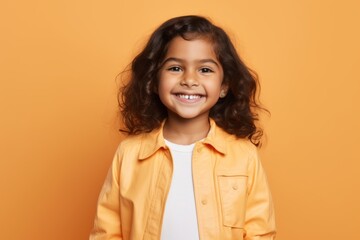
59	125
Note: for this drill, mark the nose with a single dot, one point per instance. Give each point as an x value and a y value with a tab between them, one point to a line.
189	79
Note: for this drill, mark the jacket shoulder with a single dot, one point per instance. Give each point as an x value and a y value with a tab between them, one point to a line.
131	142
234	142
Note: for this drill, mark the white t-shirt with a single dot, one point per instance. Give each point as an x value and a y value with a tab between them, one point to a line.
180	221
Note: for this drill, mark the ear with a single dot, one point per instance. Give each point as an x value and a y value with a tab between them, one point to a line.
224	90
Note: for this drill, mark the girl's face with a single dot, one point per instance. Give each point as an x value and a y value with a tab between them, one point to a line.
190	79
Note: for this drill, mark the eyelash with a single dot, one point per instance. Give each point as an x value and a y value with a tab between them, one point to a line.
174	69
207	70
202	70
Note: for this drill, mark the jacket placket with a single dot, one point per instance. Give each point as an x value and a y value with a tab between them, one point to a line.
205	195
154	223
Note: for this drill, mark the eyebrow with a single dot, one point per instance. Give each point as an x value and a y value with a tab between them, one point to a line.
206	60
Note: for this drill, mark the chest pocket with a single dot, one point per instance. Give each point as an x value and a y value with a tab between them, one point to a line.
232	189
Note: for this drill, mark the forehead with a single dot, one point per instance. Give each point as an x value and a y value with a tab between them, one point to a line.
198	48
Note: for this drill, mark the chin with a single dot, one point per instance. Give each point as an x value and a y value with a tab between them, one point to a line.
189	116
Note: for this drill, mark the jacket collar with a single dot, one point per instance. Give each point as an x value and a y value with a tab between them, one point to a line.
154	140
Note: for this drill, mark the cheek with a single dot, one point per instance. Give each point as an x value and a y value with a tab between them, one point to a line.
214	87
161	81
162	85
167	82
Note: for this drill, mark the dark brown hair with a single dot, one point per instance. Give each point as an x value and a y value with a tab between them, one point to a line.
141	108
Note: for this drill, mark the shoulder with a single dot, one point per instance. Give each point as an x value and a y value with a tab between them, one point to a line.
131	140
237	153
242	149
228	144
142	145
243	145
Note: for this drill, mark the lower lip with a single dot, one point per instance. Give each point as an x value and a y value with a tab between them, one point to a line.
185	100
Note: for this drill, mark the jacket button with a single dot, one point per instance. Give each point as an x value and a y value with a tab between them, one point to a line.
204	202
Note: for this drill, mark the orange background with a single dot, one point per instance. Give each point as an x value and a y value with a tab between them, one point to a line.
58	125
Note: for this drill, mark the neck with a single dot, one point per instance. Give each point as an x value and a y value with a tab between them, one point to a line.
186	131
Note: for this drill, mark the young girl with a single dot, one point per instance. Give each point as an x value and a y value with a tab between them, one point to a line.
189	167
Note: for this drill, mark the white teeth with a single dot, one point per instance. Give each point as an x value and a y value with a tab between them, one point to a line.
189	97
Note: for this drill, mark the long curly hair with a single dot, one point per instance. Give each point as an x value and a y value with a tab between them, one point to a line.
237	113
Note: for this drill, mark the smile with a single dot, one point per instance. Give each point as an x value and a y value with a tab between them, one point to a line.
188	97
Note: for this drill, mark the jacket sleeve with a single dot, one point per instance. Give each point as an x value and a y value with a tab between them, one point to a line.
107	224
260	216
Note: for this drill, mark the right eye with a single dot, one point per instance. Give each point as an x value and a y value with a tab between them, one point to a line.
174	69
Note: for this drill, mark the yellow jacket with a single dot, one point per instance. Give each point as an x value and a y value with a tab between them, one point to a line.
232	196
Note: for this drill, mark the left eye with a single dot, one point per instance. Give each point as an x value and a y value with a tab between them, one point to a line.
206	70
